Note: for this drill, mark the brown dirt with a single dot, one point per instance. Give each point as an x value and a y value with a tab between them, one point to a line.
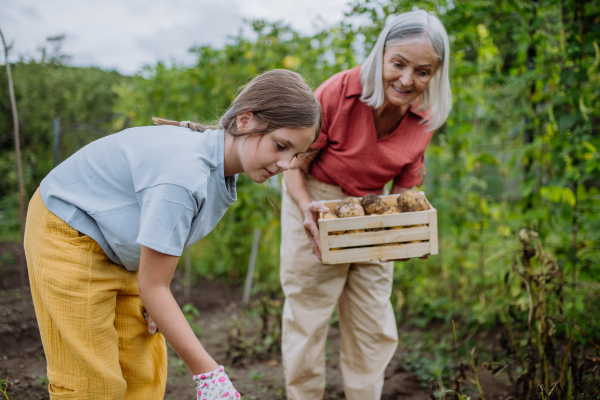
22	356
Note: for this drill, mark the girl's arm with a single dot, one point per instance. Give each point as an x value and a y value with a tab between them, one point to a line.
295	180
156	272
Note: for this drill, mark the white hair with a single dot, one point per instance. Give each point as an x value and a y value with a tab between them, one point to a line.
412	25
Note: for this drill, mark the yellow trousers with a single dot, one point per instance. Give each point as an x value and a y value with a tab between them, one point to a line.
312	290
90	316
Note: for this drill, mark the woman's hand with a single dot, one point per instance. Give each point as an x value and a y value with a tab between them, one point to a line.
295	181
311	215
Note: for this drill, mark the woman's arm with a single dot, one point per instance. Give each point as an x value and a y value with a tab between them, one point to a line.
156	272
396	189
295	180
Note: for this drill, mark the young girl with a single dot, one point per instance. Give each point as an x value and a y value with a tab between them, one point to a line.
107	226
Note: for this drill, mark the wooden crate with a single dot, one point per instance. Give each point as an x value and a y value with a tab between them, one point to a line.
375	245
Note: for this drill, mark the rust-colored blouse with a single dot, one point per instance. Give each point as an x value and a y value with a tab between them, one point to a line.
351	156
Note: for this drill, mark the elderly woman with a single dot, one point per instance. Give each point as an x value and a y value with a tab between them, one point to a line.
378	120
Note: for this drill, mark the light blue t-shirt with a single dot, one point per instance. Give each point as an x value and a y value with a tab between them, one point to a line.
163	187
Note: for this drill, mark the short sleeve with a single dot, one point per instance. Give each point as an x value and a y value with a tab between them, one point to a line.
323	139
411	174
167	212
328	94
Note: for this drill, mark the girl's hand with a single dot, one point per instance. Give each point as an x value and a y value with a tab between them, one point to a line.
311	215
151	325
215	385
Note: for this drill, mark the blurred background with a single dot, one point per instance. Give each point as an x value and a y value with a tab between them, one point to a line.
514	173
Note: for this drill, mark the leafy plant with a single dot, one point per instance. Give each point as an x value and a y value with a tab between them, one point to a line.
5	386
190	312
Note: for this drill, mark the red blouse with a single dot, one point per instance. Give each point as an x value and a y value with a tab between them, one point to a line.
351	156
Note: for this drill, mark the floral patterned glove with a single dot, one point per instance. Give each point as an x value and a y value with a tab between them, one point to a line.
151	325
215	385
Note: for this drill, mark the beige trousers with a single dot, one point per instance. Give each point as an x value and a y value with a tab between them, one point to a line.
312	289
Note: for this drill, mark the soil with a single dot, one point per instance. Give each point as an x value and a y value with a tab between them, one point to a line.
22	358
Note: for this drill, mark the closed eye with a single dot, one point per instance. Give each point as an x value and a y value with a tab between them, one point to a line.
279	146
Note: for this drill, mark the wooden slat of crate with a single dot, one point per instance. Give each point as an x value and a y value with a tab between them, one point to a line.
408	250
375	221
325	257
433	234
381	237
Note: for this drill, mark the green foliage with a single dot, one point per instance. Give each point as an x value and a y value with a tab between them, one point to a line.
46	88
42	381
5	386
519	150
190	312
256	375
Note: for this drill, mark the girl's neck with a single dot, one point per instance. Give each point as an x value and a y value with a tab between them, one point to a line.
232	162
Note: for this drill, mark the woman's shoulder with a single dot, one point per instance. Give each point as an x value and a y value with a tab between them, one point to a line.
344	83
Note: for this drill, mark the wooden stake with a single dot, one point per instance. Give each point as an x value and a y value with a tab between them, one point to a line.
56	141
13	102
251	266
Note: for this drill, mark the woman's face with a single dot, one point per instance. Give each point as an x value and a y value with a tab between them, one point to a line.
407	70
264	156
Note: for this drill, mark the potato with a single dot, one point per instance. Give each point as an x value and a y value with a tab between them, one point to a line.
392	210
373	204
350	210
344	201
356	231
411	200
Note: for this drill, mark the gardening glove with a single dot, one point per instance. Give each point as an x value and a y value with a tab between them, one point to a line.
151	325
215	385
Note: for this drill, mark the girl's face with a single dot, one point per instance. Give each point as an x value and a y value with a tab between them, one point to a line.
407	70
264	156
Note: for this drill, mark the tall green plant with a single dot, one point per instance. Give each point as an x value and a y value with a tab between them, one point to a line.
518	150
46	88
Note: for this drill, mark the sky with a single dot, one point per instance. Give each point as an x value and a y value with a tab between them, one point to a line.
127	34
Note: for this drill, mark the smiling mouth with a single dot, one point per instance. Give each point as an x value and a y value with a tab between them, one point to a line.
269	173
401	91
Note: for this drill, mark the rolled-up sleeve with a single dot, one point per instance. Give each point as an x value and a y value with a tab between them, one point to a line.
328	94
167	212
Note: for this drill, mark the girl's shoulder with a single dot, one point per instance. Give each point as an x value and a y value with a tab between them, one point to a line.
171	155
